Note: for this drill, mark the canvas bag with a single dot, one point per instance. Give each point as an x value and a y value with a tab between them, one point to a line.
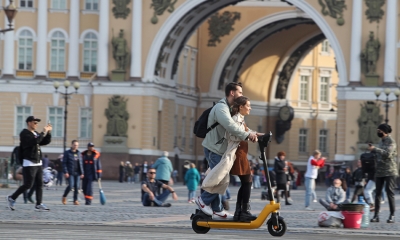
330	219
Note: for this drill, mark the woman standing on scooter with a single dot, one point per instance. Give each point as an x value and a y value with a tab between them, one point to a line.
241	167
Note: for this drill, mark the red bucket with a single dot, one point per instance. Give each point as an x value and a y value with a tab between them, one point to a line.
352	219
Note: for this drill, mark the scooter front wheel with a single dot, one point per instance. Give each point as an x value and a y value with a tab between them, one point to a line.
198	229
277	231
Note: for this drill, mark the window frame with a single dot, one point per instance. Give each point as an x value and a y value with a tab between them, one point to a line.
305	136
25	63
54	121
58	51
27	4
58	3
91	50
24	116
89	126
325	47
323	149
91	3
307	88
325	86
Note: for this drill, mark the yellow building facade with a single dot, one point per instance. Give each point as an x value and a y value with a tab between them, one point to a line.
301	54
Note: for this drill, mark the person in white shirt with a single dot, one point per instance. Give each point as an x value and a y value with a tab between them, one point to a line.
314	163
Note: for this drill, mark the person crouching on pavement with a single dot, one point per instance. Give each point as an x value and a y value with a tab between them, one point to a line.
335	196
92	169
73	170
150	188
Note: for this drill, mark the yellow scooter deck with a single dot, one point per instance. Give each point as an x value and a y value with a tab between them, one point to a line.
268	209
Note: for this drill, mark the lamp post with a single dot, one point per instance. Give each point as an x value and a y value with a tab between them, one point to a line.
66	96
387	91
10	11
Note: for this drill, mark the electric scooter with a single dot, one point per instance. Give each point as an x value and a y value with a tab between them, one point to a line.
202	223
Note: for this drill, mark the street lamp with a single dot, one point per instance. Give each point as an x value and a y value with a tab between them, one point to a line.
387	91
10	11
66	96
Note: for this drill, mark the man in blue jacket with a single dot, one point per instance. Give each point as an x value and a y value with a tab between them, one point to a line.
73	170
215	146
164	169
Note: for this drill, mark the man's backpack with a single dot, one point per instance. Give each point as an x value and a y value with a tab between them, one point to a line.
200	127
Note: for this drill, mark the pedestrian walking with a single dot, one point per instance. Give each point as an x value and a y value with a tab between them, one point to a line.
144	169
73	171
122	172
59	169
164	169
386	170
315	162
92	170
136	172
281	169
129	172
256	176
192	179
30	155
45	162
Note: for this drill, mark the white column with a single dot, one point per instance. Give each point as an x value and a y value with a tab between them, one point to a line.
102	64
41	53
136	53
390	70
8	62
73	56
355	49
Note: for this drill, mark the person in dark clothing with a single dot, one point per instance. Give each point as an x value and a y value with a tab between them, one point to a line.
150	188
121	172
136	172
30	157
145	168
92	170
280	168
386	170
358	181
58	167
73	171
45	161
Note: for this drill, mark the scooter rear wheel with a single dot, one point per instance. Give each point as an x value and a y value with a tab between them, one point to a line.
198	229
277	231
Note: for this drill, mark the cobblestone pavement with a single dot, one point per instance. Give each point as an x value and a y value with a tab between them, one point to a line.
124	209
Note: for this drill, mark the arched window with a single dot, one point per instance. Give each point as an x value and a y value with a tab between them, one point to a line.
25	50
57	52
90	53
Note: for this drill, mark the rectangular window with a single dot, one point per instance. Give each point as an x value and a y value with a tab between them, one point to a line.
325	48
304	81
91	4
323	140
303	140
86	123
324	91
183	131
56	117
22	113
26	3
59	4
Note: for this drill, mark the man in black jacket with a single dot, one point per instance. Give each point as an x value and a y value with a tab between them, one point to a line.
31	155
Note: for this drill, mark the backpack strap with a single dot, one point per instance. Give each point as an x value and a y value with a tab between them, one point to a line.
212	126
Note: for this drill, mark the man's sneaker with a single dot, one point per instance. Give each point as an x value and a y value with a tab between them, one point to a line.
42	208
222	216
309	209
166	205
315	200
10	202
203	207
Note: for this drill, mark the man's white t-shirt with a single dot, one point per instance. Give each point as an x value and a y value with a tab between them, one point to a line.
28	163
